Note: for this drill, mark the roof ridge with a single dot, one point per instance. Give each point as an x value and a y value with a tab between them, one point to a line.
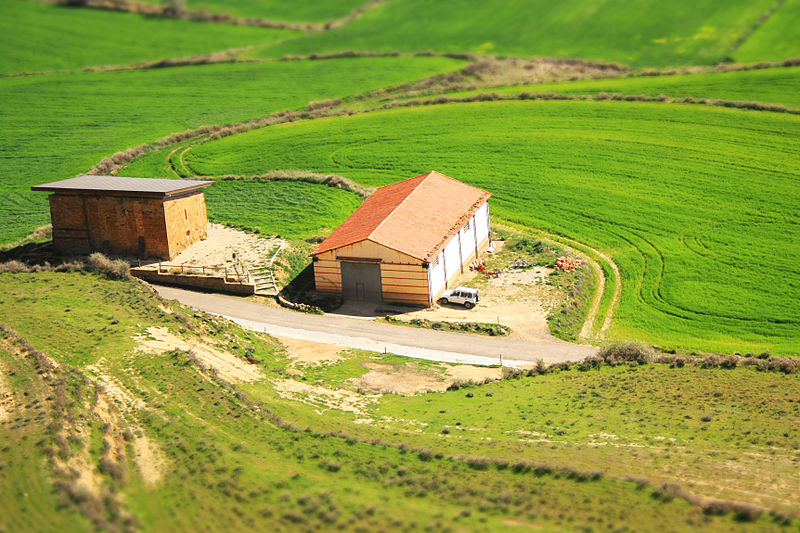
427	176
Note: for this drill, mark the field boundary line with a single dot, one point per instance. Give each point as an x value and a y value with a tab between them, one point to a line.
143	8
331	108
765	16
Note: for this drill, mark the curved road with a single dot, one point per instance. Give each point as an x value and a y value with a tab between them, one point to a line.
377	337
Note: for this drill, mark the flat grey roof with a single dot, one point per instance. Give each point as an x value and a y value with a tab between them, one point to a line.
115	184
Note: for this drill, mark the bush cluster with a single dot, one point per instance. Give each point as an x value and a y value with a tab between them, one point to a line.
626	352
97	262
490	329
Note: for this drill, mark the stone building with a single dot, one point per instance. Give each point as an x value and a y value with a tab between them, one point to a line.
407	242
141	217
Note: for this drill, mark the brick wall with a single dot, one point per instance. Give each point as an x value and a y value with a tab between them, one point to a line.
140	227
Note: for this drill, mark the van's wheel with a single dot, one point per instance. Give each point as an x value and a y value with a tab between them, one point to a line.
444	301
468	305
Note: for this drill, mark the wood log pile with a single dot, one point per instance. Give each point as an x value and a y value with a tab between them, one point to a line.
567	264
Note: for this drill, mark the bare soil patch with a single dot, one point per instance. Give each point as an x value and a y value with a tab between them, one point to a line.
475	374
6	396
222	242
228	366
310	353
518	299
406	383
150	459
408	380
122	397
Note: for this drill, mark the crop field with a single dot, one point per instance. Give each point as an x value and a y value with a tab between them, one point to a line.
188	450
776	39
32	30
292	209
117	415
646	33
62	124
646	182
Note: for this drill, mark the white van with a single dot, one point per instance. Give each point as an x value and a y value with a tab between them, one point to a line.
466	296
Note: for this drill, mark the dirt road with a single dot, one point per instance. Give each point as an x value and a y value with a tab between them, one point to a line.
368	335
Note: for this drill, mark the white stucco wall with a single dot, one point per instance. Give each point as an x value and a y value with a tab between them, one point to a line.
450	257
481	219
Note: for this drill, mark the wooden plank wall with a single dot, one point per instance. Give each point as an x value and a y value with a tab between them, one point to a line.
401	281
405	283
328	273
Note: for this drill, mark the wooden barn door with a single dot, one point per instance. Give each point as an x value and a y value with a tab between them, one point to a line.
361	281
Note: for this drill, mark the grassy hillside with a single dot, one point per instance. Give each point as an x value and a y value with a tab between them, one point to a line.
159	443
57	126
640	33
776	39
774	85
695	203
44	37
650	421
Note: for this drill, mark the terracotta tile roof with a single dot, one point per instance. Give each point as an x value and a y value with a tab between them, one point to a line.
416	216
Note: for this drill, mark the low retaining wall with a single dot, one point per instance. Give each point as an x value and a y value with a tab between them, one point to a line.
207	283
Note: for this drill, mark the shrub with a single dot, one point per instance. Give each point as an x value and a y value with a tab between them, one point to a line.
111	268
14	266
512	373
630	351
590	363
425	454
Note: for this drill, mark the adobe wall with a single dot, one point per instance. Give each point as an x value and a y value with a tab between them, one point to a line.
187	221
124	225
70	233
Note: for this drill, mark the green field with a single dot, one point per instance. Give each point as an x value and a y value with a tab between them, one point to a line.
216	459
57	126
641	33
696	204
659	186
776	39
290	209
87	37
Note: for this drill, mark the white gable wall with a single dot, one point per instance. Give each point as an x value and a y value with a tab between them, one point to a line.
464	247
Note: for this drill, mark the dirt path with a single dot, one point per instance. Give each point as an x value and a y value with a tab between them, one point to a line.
377	337
588	325
591	317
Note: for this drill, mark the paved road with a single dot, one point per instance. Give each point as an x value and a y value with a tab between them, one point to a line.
375	336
